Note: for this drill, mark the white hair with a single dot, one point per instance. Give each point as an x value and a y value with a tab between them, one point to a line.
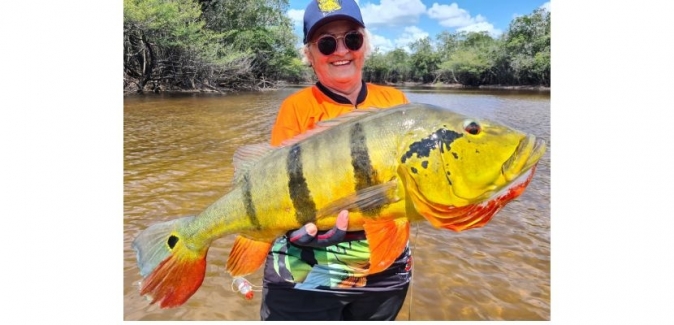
304	50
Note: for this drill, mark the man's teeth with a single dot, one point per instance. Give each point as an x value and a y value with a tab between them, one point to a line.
340	63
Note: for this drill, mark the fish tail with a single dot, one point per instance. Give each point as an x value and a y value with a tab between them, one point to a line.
172	270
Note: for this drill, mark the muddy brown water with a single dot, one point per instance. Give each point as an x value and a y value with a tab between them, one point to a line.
177	160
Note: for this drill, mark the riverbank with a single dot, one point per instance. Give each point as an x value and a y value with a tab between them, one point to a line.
460	86
441	86
282	84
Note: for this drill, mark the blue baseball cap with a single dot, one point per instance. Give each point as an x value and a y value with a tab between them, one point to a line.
321	12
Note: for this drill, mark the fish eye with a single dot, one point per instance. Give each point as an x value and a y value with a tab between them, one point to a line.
472	127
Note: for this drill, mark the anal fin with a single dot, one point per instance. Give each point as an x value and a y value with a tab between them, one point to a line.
247	256
387	239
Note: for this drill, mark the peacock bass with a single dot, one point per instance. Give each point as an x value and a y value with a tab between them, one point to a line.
388	167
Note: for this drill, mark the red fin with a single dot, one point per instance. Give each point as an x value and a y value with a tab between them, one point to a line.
175	280
387	240
247	256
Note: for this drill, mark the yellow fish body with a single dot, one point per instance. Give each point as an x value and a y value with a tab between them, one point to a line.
388	167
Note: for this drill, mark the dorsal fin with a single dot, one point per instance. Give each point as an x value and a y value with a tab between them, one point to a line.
247	156
330	123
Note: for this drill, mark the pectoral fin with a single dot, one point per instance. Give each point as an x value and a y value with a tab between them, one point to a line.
247	256
368	198
387	240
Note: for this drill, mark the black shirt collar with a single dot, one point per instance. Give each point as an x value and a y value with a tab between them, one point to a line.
341	99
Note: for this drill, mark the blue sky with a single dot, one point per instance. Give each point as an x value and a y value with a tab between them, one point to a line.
395	23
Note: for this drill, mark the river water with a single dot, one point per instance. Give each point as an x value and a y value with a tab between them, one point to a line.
177	160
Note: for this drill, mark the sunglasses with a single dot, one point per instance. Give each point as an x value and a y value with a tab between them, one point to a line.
328	44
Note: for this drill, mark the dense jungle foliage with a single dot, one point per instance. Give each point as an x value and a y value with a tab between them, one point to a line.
233	45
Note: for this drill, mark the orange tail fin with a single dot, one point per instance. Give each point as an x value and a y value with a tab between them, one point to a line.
172	271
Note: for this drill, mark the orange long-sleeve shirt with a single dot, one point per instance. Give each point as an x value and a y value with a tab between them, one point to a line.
301	110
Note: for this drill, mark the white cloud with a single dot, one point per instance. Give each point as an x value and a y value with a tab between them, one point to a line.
392	13
481	26
382	43
297	16
411	34
546	6
452	16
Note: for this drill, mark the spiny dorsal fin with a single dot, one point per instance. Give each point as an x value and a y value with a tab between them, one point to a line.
330	123
248	155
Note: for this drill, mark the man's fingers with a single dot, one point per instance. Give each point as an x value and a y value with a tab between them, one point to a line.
343	220
308	235
303	236
311	229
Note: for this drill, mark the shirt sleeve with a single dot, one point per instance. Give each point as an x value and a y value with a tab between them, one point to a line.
400	99
286	125
405	100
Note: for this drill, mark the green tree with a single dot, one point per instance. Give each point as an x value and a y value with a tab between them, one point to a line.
165	43
448	43
390	67
196	44
527	42
376	67
468	57
424	60
259	27
399	62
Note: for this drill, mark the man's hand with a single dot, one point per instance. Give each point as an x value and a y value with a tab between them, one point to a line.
307	235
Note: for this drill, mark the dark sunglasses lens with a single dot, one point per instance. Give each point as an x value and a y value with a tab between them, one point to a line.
353	41
327	45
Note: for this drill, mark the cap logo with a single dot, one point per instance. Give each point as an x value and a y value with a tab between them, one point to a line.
329	5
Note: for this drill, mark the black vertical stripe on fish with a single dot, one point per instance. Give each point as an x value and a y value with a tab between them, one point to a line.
365	175
248	203
305	208
440	139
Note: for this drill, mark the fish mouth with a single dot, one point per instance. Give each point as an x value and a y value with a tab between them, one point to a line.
527	154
